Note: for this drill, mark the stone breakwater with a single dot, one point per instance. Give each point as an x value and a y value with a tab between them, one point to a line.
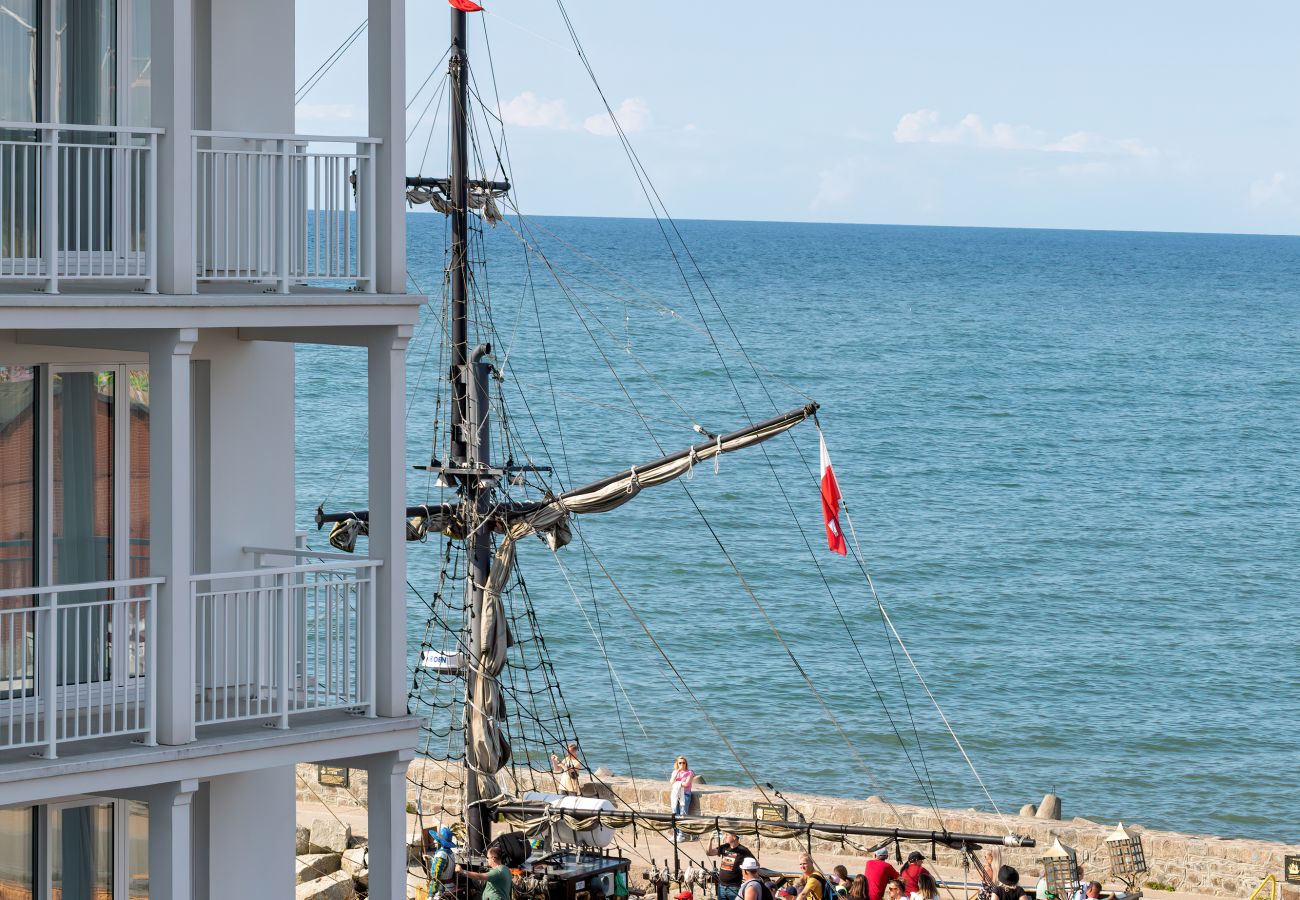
1228	867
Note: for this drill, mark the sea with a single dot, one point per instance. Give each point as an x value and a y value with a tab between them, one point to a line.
1069	462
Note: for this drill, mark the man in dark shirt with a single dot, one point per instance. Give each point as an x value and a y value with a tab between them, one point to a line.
731	852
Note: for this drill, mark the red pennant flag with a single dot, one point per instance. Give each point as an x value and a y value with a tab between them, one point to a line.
831	504
465	5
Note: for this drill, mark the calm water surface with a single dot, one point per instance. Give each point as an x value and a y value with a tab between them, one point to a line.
1071	461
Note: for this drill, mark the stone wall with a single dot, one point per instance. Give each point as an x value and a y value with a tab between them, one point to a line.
1195	863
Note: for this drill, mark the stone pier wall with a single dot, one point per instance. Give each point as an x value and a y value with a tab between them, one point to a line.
1226	867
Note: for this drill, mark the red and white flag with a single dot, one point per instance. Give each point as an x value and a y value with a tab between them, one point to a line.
831	503
465	5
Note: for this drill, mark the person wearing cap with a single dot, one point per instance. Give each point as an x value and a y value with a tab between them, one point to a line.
879	873
753	887
912	870
440	859
730	852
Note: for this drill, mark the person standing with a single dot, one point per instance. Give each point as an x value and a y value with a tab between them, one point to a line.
680	785
879	873
731	853
496	881
568	768
440	859
912	871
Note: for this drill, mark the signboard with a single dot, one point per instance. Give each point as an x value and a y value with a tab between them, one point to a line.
1291	869
332	776
771	812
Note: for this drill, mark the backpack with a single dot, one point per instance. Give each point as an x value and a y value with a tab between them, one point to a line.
764	892
514	848
828	890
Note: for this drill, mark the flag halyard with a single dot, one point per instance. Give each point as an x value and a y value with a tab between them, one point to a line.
831	500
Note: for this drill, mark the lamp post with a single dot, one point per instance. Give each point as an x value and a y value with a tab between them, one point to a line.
1128	862
1061	870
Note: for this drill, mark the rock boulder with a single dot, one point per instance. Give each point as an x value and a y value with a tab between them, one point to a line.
337	886
1050	808
354	861
310	866
329	835
301	836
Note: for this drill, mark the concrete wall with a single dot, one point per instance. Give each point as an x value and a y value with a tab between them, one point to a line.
1190	862
251	835
244	75
250	463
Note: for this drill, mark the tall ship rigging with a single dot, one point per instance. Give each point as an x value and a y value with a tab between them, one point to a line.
483	676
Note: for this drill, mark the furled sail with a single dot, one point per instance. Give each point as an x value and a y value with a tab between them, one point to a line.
549	519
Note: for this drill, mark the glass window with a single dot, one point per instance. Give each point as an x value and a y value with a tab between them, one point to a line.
17	852
139	487
17	477
137	851
19	60
82	417
18	434
81	852
138	68
85	48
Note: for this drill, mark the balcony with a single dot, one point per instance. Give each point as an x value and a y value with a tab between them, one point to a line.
79	203
77	663
273	642
269	210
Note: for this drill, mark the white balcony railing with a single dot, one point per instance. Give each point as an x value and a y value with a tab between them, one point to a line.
78	202
76	663
269	209
273	642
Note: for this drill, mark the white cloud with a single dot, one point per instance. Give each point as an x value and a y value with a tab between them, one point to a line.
531	111
1279	191
633	115
925	126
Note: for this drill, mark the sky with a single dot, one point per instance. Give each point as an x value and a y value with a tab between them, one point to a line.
1149	116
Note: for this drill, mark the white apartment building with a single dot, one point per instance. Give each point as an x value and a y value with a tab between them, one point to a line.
167	653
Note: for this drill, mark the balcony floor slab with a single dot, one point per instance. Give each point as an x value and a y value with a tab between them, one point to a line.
98	766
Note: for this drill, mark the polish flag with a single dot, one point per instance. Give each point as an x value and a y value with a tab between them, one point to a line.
831	503
465	5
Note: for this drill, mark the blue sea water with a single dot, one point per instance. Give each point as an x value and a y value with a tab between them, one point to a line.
1070	458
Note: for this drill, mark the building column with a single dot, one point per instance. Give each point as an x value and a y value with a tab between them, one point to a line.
171	840
386	821
386	54
172	109
171	518
386	358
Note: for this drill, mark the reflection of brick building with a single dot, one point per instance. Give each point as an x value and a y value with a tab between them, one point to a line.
18	486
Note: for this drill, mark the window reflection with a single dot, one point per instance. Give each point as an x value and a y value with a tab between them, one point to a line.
81	853
17	852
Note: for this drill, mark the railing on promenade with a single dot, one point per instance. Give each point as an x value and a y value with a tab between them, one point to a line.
77	662
270	208
272	642
78	202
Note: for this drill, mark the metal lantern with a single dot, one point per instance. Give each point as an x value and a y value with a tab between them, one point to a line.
1060	869
1127	860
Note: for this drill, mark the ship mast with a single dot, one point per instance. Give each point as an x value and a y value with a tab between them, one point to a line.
469	459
